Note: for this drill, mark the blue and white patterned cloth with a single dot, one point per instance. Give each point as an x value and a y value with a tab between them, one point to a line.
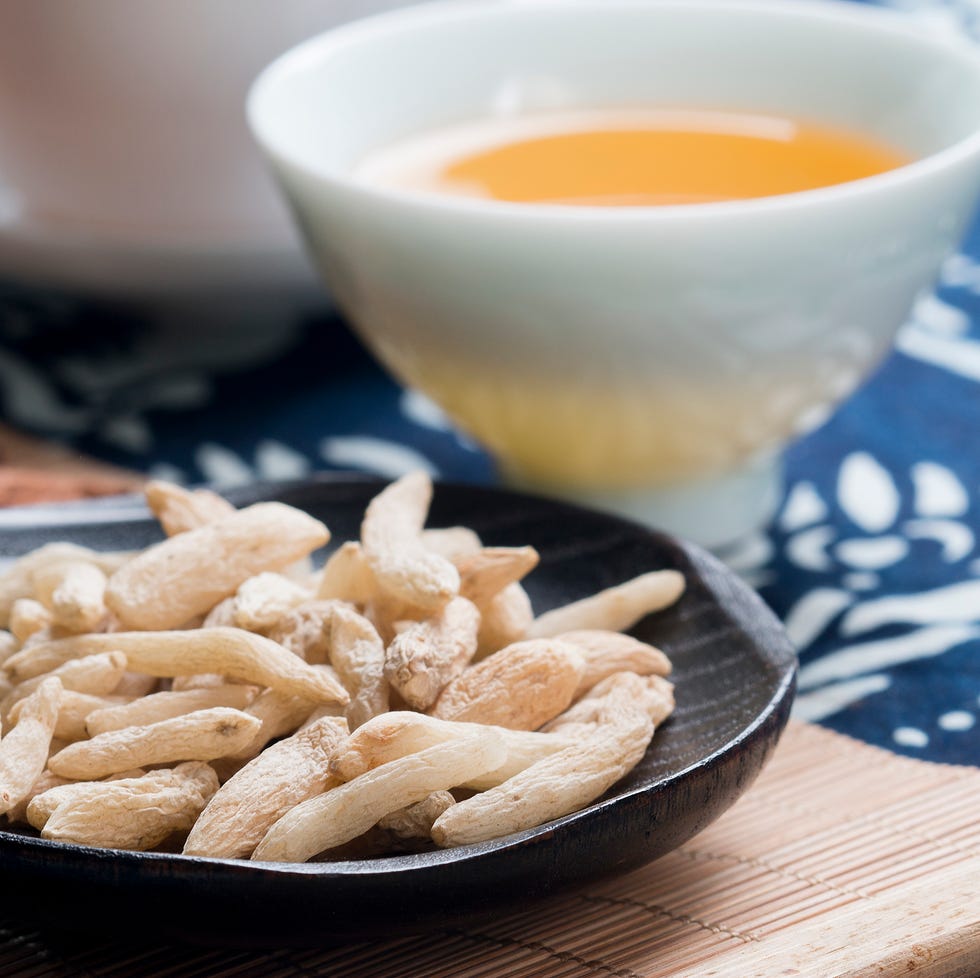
873	560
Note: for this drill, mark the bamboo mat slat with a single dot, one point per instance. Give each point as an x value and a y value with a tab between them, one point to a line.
842	861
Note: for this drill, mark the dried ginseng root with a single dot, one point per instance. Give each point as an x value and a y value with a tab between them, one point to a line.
24	749
452	542
45	781
358	655
249	804
607	653
263	600
222	615
74	593
203	735
17	581
557	785
405	570
9	644
231	652
164	706
401	732
347	576
37	813
179	510
135	684
504	620
186	575
520	687
386	738
75	711
28	617
428	654
415	822
524	748
348	811
96	674
483	575
129	813
652	694
305	630
278	713
616	608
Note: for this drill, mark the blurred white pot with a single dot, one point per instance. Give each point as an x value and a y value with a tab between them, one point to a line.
126	166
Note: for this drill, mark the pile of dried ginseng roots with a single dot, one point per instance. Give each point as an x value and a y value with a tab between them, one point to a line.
216	693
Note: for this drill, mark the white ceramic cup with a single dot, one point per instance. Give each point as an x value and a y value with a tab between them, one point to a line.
654	360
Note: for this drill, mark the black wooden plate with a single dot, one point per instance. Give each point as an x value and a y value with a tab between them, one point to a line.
734	671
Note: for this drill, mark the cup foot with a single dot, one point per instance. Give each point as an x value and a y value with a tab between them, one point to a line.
714	513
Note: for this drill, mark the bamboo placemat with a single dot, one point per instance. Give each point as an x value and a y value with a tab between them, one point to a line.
841	860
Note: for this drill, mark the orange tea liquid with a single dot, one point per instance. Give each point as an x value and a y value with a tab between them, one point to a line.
557	429
631	158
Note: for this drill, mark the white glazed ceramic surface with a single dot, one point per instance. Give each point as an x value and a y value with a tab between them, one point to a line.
125	160
642	358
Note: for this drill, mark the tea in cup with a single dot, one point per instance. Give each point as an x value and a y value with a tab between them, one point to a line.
628	158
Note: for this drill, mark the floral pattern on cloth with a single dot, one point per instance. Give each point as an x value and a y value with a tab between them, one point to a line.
874	560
